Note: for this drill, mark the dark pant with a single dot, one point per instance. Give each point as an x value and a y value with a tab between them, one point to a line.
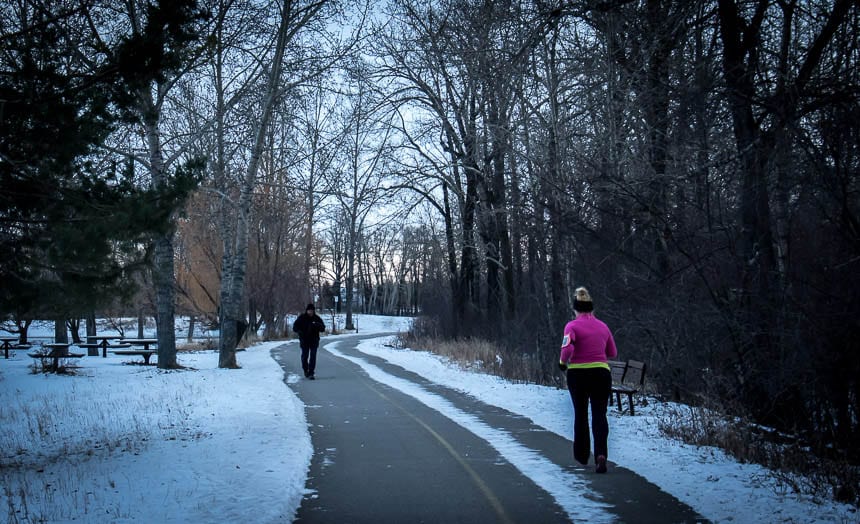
592	386
309	359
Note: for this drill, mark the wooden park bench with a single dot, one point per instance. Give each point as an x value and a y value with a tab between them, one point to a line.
617	369
627	378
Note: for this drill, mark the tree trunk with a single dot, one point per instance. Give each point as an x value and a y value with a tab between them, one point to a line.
469	292
350	278
74	326
350	270
91	325
656	110
23	328
165	297
756	242
163	269
453	274
557	284
191	321
61	335
500	123
309	226
233	281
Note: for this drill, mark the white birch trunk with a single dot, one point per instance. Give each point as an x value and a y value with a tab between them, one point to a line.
235	266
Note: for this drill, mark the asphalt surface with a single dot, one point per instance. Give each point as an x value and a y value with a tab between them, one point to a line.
381	456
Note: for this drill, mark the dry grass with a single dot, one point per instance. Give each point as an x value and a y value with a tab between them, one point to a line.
212	344
201	345
481	355
792	463
35	433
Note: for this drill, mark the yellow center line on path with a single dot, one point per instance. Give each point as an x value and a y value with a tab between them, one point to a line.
479	482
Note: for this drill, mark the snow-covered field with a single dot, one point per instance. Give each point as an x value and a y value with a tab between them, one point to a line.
127	443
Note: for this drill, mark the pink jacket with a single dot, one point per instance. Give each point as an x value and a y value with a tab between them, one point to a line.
587	340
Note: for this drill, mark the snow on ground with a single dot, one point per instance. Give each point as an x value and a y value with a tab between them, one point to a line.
127	443
123	443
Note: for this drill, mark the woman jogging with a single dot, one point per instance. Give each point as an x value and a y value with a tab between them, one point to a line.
586	346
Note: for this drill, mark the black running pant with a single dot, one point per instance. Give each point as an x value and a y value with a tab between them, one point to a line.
309	358
589	386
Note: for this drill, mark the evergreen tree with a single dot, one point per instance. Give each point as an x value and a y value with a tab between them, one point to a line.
163	46
73	225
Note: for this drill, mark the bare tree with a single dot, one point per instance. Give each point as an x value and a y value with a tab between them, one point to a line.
362	168
317	126
763	114
295	20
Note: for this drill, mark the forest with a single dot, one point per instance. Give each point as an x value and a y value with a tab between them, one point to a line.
470	162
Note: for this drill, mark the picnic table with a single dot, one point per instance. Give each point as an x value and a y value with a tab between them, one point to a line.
146	353
56	351
7	344
102	342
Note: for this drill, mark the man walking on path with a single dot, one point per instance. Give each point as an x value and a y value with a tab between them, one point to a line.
309	326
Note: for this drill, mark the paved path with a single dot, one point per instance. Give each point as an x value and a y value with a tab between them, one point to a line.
382	456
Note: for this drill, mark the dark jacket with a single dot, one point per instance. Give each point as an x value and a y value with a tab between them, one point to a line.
309	329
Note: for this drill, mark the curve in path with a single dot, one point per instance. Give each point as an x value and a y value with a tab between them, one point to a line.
390	446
